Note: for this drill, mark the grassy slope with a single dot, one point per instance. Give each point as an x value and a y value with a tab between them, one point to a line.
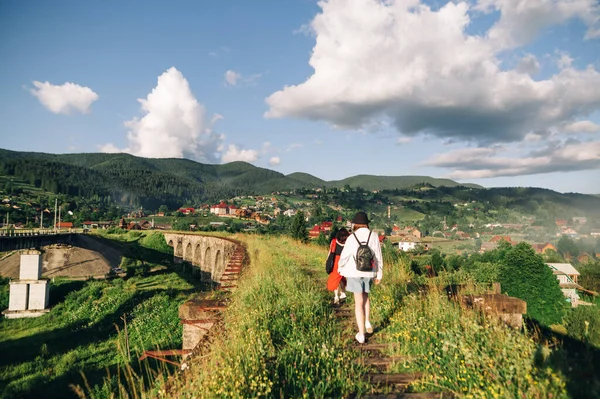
283	340
83	332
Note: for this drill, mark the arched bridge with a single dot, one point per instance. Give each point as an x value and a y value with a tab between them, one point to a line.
28	240
209	255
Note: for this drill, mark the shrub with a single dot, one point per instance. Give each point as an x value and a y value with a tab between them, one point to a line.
523	274
583	323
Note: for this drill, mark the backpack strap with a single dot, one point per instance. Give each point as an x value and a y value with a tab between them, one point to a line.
368	238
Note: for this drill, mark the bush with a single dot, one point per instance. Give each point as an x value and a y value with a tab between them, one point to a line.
583	323
523	274
4	292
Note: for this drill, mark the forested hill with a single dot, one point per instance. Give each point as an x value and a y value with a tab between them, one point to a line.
149	182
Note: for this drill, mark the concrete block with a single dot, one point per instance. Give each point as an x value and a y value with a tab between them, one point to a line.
198	308
18	296
38	295
31	265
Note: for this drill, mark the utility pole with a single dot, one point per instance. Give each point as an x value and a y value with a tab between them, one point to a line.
42	219
55	206
59	219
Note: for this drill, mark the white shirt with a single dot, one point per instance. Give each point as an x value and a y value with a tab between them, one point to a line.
347	262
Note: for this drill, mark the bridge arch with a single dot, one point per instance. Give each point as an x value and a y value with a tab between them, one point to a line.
179	249
217	264
188	252
198	255
207	261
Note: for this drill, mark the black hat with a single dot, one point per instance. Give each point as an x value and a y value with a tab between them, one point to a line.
360	218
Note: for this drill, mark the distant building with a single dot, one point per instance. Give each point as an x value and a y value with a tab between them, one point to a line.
219	209
488	246
501	238
64	225
567	276
542	248
410	243
187	211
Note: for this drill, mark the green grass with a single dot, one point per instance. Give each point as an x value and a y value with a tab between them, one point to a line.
282	339
83	333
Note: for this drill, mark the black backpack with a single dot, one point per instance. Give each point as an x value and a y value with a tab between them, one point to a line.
365	261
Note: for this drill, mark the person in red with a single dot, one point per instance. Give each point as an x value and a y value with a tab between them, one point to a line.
335	282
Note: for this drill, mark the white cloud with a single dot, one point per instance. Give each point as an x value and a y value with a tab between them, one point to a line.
216	118
174	124
474	163
109	148
274	161
234	153
523	20
232	77
582	127
529	65
294	146
403	140
564	61
418	66
65	98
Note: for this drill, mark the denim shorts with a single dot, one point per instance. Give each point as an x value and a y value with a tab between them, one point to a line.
359	284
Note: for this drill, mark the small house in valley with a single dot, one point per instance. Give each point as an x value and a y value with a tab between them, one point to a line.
542	248
567	277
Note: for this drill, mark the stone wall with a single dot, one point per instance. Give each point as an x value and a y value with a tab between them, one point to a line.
208	254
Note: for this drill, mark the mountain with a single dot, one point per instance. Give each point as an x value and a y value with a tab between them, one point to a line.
151	182
370	182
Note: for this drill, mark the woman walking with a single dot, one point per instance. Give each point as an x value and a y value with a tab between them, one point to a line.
360	277
335	282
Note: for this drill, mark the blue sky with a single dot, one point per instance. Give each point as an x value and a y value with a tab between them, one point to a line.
495	92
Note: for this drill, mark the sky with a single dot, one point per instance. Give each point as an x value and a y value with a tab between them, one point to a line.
494	92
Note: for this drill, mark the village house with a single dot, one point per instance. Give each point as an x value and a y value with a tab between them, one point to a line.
542	248
97	225
579	219
219	209
487	246
567	276
187	211
585	258
410	243
595	233
501	238
64	225
561	222
289	212
408	231
316	230
569	232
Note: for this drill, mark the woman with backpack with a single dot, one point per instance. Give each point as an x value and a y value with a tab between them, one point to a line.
335	282
362	265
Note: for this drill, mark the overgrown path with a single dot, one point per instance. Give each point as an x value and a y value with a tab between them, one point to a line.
283	338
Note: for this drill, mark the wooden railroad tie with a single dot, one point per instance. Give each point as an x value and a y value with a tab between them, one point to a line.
382	361
226	287
161	355
411	395
393	379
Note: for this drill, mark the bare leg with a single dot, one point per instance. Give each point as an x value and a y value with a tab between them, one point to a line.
359	311
367	302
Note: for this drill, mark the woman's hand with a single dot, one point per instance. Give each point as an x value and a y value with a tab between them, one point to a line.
377	281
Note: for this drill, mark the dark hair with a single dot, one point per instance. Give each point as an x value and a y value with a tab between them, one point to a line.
342	234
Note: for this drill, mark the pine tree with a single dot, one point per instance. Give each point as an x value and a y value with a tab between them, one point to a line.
298	229
524	275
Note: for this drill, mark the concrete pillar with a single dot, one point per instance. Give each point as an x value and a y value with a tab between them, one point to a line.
31	265
19	296
39	294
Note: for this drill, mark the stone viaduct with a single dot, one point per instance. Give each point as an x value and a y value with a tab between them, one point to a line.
207	255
